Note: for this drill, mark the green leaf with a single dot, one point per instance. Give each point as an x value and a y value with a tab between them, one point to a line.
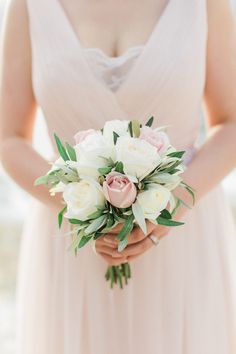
41	180
135	128
130	129
96	224
110	220
115	137
122	244
126	229
167	222
174	171
104	170
84	240
177	154
190	190
150	122
174	211
96	214
165	214
119	167
71	152
61	149
171	167
60	216
139	217
77	222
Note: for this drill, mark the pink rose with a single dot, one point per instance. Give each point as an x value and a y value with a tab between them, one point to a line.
158	139
80	136
119	190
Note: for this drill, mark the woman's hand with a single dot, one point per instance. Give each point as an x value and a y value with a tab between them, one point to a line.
107	246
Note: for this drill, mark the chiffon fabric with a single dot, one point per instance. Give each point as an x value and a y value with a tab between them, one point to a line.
182	296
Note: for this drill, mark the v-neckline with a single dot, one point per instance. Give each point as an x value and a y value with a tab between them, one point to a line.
146	45
77	39
117	100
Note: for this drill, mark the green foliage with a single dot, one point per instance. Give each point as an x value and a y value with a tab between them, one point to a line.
84	240
115	137
165	214
177	154
135	128
168	222
119	167
71	152
104	170
139	217
150	122
41	180
130	129
61	149
60	216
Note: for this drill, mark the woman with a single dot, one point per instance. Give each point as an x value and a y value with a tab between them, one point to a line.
85	62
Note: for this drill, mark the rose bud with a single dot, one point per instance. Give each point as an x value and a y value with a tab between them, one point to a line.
158	139
119	190
81	135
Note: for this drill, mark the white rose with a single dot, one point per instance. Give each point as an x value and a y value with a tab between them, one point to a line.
82	198
170	181
58	164
153	200
138	156
120	127
92	153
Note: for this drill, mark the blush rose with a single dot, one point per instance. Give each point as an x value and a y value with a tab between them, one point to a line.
119	190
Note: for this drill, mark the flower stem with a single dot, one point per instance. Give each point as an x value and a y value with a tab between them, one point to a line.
116	275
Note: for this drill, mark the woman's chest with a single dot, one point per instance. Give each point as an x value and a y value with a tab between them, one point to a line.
113	26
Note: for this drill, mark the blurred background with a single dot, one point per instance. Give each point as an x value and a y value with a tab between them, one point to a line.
13	208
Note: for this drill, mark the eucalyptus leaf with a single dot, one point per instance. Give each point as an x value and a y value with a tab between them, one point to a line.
71	152
165	214
167	222
75	243
77	222
61	148
126	229
96	224
122	244
60	216
139	217
189	190
41	180
96	214
135	128
104	170
84	240
115	137
119	167
177	154
150	122
130	129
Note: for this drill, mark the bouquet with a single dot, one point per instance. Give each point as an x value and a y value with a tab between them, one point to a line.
126	173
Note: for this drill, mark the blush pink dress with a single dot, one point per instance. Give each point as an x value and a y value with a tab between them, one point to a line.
182	296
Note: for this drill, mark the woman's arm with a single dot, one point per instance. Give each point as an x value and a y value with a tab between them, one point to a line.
217	157
18	106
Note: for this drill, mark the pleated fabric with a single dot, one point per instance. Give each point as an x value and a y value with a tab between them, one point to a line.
182	296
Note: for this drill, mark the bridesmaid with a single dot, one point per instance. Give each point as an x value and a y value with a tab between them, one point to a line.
189	307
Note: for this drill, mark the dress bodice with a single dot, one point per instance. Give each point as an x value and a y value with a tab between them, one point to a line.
79	88
111	71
